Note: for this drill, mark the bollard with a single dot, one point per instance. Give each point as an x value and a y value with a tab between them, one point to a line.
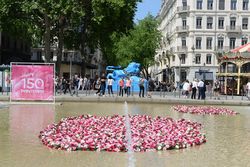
232	94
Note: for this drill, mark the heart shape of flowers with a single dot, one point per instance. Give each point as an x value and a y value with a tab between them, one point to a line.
211	110
108	133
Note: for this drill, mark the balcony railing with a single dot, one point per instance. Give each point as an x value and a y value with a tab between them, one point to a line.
233	29
183	9
182	29
182	48
223	49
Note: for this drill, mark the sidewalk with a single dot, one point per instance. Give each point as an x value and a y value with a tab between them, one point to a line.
158	97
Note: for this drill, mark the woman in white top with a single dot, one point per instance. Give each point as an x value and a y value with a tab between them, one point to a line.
110	84
186	88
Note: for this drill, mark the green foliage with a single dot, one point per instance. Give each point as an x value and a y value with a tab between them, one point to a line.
92	23
140	44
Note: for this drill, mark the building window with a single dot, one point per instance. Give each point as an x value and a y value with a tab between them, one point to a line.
198	22
244	41
221	23
245	23
199	4
221	4
232	23
183	41
65	56
209	4
233	4
198	43
197	59
209	59
209	23
220	43
183	58
245	5
184	23
184	3
209	43
232	43
173	58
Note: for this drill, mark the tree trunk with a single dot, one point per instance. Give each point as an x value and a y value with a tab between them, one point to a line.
87	5
47	38
60	45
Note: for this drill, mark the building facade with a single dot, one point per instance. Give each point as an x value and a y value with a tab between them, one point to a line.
194	33
71	61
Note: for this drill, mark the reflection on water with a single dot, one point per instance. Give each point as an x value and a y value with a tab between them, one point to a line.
28	120
228	138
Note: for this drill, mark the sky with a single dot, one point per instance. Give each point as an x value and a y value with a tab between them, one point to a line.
147	6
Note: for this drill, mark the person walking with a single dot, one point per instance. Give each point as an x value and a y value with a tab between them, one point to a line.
110	85
103	84
216	89
248	89
141	86
121	86
186	88
128	85
194	88
75	85
151	87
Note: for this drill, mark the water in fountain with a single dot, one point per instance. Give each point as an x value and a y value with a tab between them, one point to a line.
131	158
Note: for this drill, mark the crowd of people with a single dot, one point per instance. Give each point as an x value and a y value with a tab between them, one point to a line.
103	86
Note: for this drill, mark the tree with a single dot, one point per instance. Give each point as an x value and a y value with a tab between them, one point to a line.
140	44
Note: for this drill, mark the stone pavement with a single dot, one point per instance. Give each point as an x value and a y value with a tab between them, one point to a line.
158	97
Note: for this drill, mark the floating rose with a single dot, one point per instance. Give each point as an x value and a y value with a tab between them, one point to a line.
204	110
93	133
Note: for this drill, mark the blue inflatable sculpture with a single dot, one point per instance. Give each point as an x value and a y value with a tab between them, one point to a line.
132	71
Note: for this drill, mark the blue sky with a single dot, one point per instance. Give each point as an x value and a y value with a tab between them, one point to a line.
152	6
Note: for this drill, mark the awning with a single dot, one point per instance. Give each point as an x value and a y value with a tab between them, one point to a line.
241	49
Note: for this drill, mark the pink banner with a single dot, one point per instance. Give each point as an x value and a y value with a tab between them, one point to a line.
32	82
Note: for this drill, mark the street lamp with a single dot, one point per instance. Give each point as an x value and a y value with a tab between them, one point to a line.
179	85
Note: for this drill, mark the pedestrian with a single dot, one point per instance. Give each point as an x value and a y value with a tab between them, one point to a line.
98	86
103	85
186	88
141	86
201	89
75	85
128	86
216	89
121	87
151	87
248	89
67	86
110	85
194	88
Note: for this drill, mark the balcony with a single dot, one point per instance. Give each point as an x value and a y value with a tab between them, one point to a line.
183	9
223	49
182	49
182	29
233	29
